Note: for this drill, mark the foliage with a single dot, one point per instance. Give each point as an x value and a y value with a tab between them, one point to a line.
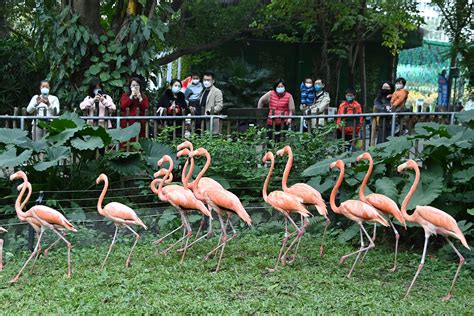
310	285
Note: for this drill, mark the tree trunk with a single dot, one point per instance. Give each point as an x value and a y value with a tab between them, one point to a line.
89	11
361	44
452	65
3	21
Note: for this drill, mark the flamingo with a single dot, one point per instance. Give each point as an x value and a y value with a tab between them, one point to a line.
42	217
356	211
2	230
286	204
120	215
306	192
221	201
382	203
181	198
433	221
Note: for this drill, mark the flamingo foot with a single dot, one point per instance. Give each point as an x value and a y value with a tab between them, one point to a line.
321	251
447	297
272	270
127	263
393	269
158	241
341	261
283	260
45	253
291	259
14	280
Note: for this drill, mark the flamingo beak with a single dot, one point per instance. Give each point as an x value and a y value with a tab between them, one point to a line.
360	157
280	152
402	167
160	162
3	230
193	153
332	165
156	174
13	177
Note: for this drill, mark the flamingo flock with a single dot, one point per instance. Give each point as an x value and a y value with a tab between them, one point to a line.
206	196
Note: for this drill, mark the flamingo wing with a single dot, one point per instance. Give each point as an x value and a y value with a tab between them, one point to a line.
287	202
359	211
227	200
310	196
442	220
385	205
207	182
184	198
121	213
50	216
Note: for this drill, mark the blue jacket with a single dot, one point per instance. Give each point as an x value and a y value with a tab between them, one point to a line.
307	94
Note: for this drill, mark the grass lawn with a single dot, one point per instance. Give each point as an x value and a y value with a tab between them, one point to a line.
159	284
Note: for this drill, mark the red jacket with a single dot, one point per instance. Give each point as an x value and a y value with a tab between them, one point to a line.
279	105
136	107
350	108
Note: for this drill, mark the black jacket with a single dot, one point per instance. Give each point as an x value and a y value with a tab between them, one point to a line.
167	99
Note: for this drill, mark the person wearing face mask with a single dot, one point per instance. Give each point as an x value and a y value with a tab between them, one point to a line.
306	93
173	101
349	106
279	102
97	102
382	105
321	101
400	96
43	104
136	102
211	101
193	94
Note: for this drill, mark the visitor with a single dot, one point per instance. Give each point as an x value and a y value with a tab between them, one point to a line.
211	100
173	101
97	102
193	94
43	104
321	101
136	102
279	102
349	106
306	93
382	124
400	96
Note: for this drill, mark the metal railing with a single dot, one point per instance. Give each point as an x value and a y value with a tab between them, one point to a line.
370	128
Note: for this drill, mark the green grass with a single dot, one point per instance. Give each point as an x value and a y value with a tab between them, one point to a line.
156	283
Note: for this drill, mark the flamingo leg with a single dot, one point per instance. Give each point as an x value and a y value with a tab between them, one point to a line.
183	220
68	245
321	248
304	224
201	224
298	236
15	279
137	237
167	235
36	258
188	226
420	266
223	234
461	262
362	249
110	248
208	234
1	254
222	242
283	244
397	237
45	253
373	239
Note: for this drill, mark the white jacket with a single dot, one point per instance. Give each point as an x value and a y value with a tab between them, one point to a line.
43	109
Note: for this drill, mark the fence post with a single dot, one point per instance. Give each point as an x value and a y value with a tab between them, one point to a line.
301	124
452	119
211	123
392	132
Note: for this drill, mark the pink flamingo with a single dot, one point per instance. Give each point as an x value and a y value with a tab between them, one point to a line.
221	201
356	211
2	230
306	192
433	221
120	215
43	217
181	198
286	204
382	203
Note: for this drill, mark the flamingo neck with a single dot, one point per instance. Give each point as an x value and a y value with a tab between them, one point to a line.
28	195
407	198
204	170
102	196
18	204
267	179
160	193
286	172
332	199
190	173
366	180
153	186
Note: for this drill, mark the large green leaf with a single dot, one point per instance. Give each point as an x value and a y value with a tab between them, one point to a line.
120	135
386	187
62	137
319	168
9	158
466	117
66	121
153	151
96	131
429	188
124	163
87	143
14	136
36	145
52	157
322	186
463	176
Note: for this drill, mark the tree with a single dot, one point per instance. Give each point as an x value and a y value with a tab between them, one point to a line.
457	18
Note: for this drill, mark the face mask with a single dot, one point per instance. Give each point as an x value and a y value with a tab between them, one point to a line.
398	86
195	81
207	83
175	89
280	90
308	85
44	91
385	91
349	98
318	87
96	91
